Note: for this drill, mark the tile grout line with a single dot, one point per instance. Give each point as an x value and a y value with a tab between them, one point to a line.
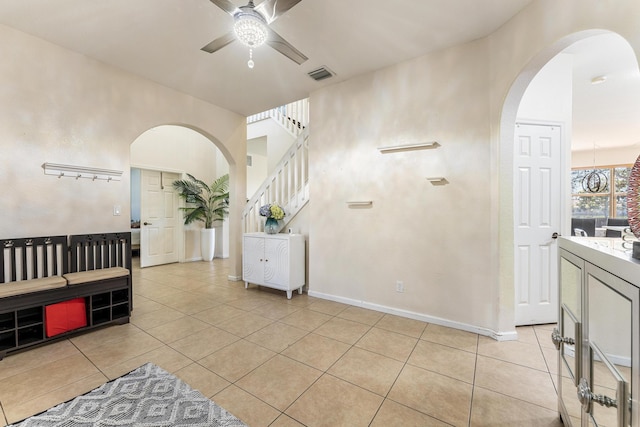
4	414
473	384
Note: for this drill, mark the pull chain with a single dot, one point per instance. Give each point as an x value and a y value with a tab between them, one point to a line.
250	63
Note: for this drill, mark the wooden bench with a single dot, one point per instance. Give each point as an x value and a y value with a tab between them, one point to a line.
38	273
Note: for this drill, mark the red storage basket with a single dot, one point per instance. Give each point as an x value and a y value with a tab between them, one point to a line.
65	316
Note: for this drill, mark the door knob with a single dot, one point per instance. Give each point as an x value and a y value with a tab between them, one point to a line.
148	223
555	235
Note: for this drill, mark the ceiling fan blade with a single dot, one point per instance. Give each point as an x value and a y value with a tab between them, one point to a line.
283	46
272	9
226	5
220	42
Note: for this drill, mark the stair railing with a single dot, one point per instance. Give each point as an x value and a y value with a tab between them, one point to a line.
294	117
288	186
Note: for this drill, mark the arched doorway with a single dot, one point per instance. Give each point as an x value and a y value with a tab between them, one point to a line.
163	154
587	53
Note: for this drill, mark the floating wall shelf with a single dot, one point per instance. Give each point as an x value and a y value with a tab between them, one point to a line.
438	180
360	203
77	172
409	147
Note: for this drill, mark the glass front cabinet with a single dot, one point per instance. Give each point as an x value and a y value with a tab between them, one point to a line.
597	335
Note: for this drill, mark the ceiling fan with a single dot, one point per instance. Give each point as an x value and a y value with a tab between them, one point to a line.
251	28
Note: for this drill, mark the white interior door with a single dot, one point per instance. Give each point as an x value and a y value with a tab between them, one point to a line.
160	218
537	211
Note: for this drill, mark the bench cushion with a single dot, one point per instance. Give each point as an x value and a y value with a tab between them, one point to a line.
33	285
95	275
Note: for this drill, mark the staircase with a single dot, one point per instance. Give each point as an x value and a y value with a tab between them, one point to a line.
288	184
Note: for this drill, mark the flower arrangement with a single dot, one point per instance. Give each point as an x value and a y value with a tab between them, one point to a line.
272	210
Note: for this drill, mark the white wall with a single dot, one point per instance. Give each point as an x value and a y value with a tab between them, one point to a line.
435	239
223	243
549	95
257	171
136	181
278	140
60	106
606	157
178	149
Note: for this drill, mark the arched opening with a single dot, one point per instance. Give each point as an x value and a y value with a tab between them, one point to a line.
597	114
159	156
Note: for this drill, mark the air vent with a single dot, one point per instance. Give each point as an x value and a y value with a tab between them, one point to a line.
249	161
320	74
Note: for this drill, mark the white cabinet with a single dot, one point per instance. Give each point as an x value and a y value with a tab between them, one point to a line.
274	260
598	335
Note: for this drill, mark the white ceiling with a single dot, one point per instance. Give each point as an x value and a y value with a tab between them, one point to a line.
161	40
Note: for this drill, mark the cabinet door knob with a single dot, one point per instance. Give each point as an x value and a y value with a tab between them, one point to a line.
559	339
586	397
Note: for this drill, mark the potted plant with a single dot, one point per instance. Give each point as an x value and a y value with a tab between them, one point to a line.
206	203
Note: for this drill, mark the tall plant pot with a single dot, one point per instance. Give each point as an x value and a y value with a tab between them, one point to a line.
207	243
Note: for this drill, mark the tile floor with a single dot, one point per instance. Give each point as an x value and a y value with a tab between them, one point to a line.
299	362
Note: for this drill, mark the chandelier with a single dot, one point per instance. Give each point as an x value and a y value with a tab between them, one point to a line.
250	28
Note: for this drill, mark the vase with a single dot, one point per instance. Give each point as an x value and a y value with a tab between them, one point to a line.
271	226
207	243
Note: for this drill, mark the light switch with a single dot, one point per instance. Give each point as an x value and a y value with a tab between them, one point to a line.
116	210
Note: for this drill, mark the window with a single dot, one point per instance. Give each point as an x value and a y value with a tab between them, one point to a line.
609	202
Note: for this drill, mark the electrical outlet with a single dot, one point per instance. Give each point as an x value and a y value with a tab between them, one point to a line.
399	286
117	210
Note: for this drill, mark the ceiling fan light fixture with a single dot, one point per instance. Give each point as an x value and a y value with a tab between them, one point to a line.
250	27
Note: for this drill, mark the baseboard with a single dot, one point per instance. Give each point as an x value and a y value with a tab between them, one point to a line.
235	278
498	336
504	336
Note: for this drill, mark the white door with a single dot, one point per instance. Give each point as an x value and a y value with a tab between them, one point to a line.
276	267
253	259
160	218
537	210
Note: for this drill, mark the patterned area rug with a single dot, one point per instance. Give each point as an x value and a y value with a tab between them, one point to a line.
147	396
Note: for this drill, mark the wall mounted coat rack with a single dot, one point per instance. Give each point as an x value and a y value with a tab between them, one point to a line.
77	172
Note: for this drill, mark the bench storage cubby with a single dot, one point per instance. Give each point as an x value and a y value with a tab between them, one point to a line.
52	287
